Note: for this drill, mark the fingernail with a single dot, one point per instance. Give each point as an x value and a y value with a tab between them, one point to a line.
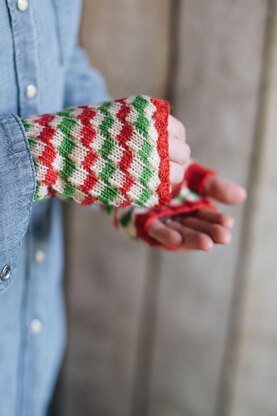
227	239
209	246
230	223
244	194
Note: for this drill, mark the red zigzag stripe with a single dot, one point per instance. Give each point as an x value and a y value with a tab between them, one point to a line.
49	153
123	137
87	136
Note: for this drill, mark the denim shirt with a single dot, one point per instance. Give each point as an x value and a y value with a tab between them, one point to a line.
42	69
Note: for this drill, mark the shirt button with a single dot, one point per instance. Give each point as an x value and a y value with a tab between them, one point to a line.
22	5
5	273
35	326
39	256
31	91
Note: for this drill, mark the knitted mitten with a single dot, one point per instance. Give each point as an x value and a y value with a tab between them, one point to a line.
187	198
114	153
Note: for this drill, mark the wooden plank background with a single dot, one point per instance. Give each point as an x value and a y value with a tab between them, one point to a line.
159	334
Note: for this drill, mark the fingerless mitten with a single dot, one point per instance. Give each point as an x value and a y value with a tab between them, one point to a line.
187	198
114	153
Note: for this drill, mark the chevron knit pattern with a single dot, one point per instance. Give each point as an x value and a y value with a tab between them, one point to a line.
114	153
188	198
126	219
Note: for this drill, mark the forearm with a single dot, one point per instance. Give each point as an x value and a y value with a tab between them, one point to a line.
113	153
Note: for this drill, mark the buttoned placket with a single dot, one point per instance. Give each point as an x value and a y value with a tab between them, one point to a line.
26	58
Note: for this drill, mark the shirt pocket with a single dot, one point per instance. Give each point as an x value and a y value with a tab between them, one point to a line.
67	19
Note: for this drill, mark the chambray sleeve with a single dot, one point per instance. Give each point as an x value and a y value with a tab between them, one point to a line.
84	83
17	187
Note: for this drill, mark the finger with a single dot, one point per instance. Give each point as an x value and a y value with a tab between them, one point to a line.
225	191
176	128
216	217
179	152
192	239
218	233
163	234
176	173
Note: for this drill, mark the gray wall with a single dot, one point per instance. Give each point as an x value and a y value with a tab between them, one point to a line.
162	334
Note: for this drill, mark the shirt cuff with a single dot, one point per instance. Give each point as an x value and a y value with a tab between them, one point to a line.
17	187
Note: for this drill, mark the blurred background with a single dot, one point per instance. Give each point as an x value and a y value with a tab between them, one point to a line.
189	334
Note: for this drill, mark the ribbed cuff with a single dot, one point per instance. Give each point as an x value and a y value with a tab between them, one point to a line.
161	123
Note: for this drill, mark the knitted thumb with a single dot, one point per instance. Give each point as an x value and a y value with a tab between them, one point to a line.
114	153
135	221
196	177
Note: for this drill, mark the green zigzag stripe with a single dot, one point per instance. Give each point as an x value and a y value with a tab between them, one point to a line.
142	125
65	149
110	192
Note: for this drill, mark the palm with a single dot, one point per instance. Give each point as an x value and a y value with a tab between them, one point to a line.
203	229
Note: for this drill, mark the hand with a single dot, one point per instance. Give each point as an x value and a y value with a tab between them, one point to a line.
179	151
203	229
